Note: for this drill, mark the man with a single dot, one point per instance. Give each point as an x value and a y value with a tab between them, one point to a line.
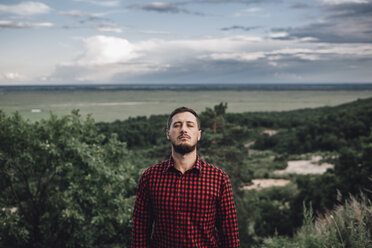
184	201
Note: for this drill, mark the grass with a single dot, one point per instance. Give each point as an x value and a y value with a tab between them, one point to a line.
348	225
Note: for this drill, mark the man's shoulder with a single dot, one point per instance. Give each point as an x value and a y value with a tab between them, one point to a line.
211	168
156	168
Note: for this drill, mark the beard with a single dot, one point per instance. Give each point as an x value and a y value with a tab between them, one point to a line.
183	148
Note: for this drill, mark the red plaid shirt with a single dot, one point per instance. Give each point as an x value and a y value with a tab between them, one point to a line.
194	209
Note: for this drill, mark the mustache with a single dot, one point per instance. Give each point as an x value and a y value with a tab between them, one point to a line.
184	135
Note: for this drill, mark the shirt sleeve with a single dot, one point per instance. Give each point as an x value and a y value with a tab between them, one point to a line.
142	216
227	224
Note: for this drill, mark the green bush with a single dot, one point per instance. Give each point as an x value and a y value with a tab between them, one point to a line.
348	225
61	186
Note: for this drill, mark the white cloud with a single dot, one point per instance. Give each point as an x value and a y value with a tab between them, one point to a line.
257	12
101	50
101	3
343	1
242	57
26	8
13	24
11	76
81	14
110	29
279	35
152	32
107	58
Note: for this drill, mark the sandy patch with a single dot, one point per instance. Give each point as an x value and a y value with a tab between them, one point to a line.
269	132
266	183
249	144
305	167
11	210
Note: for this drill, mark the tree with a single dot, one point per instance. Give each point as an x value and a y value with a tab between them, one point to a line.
214	117
61	187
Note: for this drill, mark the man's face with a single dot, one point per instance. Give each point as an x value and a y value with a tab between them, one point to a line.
184	133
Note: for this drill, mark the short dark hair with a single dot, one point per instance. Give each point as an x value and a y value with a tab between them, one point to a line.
182	110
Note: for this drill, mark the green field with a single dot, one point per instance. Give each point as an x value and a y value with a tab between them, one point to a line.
121	104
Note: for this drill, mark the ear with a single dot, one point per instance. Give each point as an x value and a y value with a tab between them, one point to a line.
199	135
167	133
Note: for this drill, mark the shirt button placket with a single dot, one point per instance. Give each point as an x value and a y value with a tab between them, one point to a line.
180	230
179	206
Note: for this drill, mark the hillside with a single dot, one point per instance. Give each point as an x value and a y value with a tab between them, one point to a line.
83	175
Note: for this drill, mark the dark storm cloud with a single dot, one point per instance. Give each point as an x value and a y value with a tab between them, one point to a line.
301	6
343	23
290	69
236	1
165	7
238	27
175	8
281	29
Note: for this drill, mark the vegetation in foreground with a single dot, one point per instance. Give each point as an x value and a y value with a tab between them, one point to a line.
69	182
348	225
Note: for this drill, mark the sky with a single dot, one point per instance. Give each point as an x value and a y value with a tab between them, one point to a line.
180	42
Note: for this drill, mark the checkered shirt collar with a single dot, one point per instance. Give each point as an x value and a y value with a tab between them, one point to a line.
197	166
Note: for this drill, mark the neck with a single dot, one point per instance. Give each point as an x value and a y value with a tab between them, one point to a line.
184	162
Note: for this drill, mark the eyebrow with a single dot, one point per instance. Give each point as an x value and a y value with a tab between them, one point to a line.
182	121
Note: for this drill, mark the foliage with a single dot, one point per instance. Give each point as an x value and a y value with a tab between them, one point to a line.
68	182
328	130
139	131
351	176
61	187
349	225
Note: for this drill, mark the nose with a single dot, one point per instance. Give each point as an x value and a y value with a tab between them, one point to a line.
184	129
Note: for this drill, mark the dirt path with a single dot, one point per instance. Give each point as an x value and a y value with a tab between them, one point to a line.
266	183
304	167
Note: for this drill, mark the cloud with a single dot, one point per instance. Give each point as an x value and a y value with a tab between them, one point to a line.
238	57
13	24
256	12
101	50
279	35
112	59
164	7
101	3
26	8
236	1
84	16
11	76
80	14
301	6
110	29
343	23
238	27
175	8
343	1
152	32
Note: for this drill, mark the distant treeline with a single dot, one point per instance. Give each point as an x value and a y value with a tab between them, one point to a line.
193	87
301	131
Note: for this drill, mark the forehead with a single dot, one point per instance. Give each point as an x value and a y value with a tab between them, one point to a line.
184	117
